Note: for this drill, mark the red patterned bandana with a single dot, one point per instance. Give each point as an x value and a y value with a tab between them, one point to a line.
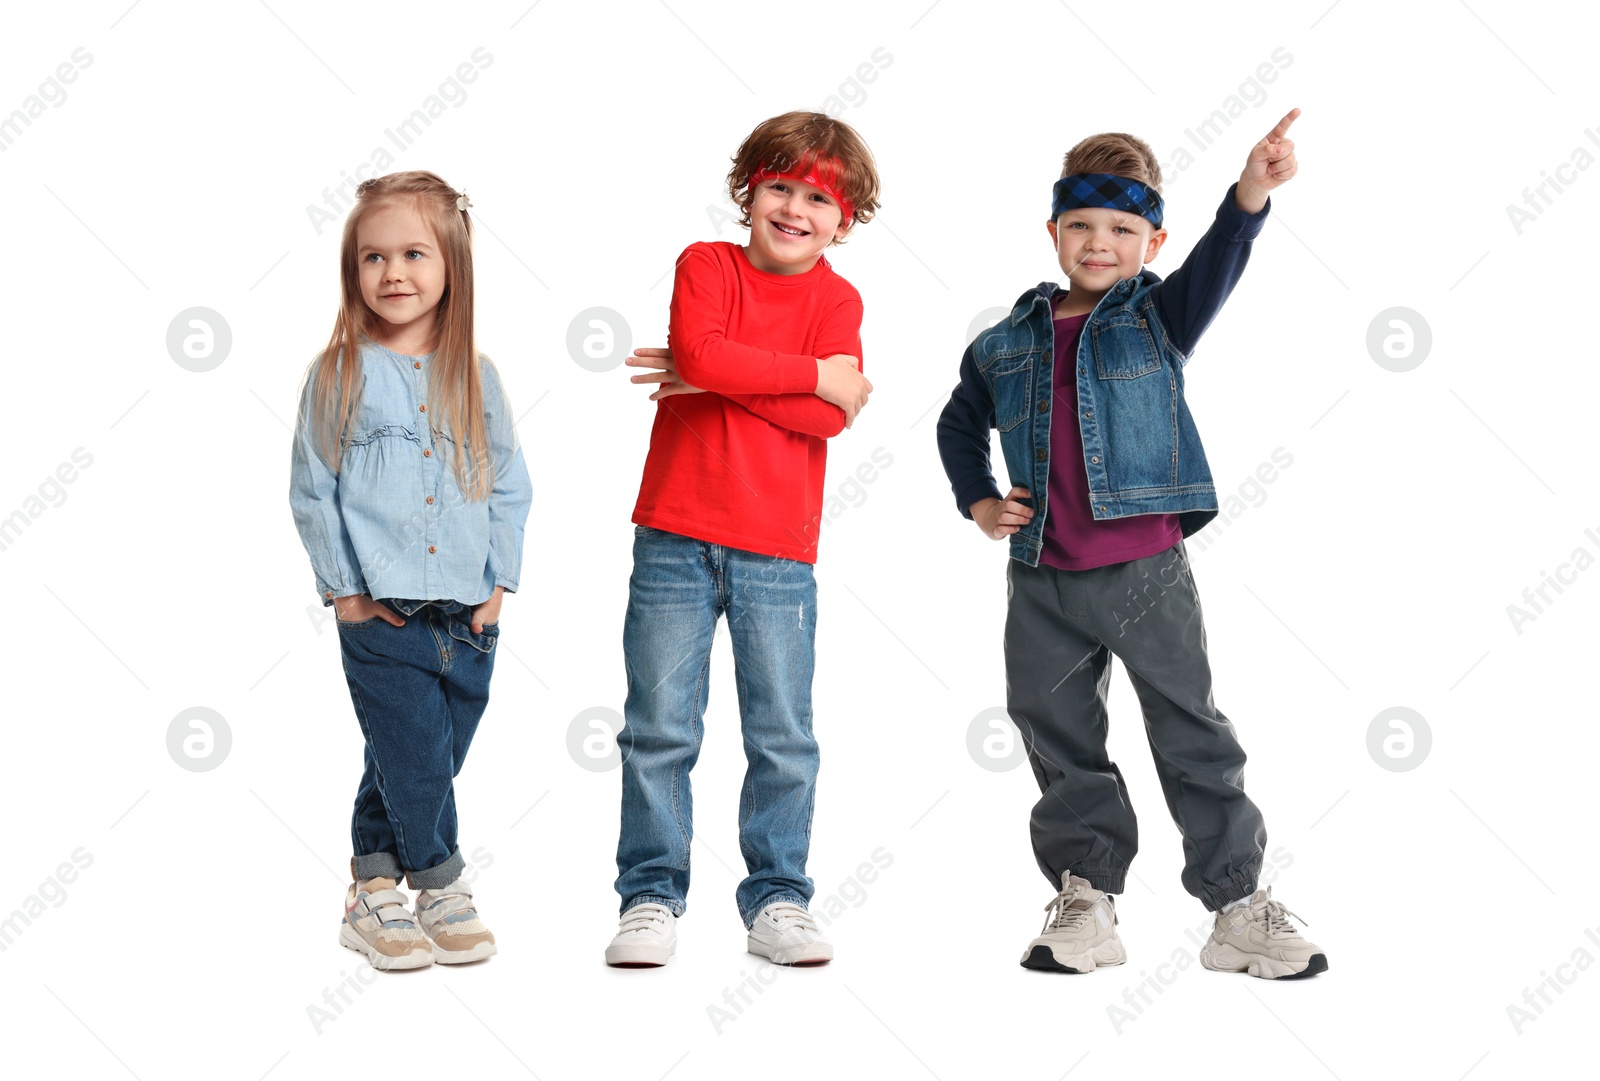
823	179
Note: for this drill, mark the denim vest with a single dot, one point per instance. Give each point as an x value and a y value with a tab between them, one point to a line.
1141	450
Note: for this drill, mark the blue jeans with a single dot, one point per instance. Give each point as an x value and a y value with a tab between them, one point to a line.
419	691
678	589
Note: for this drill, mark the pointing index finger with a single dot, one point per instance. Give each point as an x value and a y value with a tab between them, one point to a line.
1283	125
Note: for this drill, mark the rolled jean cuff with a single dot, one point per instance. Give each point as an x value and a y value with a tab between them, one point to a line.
1106	881
1238	886
750	917
376	865
436	877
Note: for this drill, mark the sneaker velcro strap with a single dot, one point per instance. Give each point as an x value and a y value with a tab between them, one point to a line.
372	902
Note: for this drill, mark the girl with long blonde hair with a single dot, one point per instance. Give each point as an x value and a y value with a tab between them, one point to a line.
410	493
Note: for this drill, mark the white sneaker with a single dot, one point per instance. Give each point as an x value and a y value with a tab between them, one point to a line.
1080	931
1258	938
448	917
647	937
787	934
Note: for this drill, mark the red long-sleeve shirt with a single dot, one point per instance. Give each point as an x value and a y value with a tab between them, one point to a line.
743	464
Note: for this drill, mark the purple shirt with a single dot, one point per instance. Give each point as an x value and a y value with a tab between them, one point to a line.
1073	540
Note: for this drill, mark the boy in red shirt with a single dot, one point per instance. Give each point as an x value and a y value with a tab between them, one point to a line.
764	366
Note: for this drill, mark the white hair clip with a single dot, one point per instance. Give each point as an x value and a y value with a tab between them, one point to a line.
462	202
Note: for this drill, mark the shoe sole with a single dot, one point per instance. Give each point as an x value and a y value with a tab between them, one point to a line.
1230	959
639	956
480	952
1041	958
350	940
818	953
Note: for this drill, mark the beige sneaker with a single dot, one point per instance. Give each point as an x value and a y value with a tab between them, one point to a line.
1258	938
448	918
1080	931
376	923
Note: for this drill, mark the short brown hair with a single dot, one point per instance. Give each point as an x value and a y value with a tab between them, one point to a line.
800	138
1116	153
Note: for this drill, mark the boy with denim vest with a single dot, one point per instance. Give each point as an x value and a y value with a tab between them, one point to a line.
1108	478
763	368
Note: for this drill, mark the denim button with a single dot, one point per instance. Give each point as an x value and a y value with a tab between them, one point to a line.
1044	405
1039	455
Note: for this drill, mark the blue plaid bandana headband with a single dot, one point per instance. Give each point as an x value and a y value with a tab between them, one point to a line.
1105	190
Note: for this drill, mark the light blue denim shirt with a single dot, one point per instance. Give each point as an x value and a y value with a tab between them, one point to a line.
393	523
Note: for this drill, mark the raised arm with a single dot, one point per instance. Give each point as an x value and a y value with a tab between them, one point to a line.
1191	297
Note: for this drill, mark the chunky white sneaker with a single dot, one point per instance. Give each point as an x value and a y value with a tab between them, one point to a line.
448	917
786	934
1080	931
646	938
376	923
1258	938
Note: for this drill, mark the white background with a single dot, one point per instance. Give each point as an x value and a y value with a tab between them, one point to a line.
1373	572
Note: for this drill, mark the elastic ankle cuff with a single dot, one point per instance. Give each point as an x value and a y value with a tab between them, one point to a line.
1237	887
1104	881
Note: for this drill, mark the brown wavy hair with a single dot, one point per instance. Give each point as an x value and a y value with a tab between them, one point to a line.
1117	153
800	139
455	379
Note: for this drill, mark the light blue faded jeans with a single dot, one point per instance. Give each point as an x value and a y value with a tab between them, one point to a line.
679	588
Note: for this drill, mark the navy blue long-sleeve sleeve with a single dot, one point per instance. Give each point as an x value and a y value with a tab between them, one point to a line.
1190	297
963	435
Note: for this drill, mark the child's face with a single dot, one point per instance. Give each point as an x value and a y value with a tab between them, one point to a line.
402	269
791	222
1099	246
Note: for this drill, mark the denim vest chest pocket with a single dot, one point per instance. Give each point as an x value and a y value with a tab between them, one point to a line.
1010	379
1125	347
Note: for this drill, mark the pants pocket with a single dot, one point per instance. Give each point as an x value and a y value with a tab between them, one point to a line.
462	632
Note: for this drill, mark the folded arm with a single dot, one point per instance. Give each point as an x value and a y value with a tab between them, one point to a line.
708	360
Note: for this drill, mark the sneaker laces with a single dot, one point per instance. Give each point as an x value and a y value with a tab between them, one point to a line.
645	917
1060	916
789	917
1277	918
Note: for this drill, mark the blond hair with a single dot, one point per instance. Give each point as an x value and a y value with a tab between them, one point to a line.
455	380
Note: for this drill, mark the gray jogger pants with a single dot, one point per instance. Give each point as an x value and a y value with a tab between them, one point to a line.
1062	628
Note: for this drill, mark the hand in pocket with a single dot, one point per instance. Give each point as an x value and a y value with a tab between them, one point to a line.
359	608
